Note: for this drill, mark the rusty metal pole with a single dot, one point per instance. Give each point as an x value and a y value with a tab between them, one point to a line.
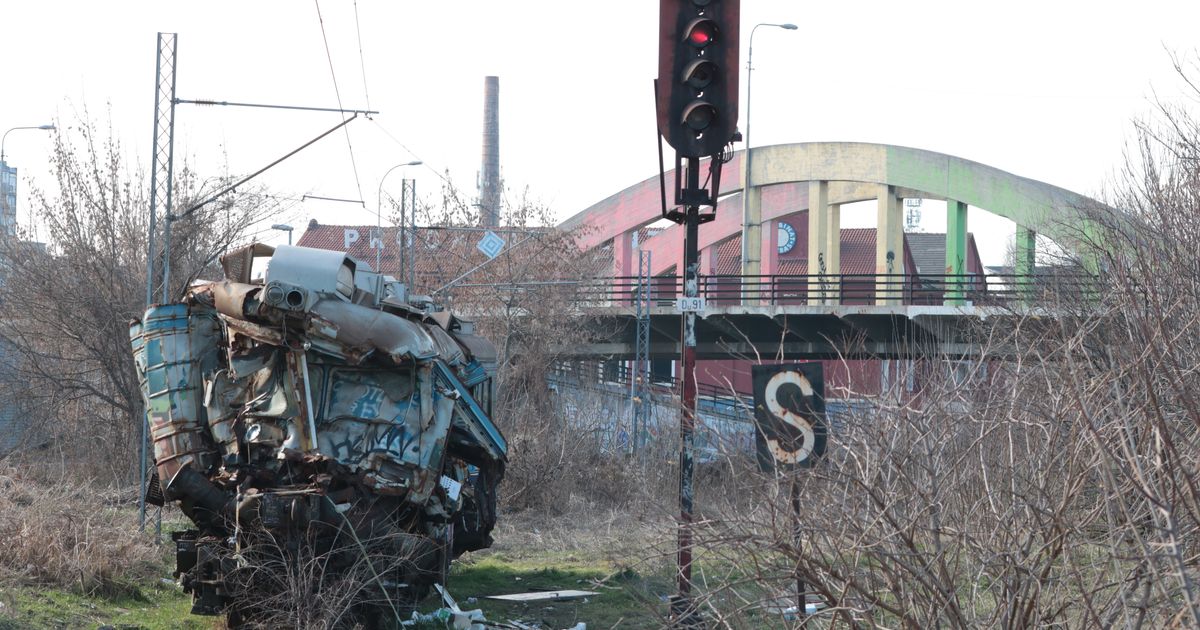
801	589
687	418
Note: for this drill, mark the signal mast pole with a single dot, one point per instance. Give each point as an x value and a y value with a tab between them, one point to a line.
696	98
687	364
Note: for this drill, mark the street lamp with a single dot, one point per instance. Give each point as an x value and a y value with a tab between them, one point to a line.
747	219
283	227
5	170
5	137
379	218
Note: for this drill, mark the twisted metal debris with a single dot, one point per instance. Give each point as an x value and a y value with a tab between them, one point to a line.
318	410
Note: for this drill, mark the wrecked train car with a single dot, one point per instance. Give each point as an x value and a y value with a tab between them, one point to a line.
318	411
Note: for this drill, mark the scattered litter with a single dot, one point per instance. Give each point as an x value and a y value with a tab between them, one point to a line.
789	611
446	598
457	619
450	615
578	626
789	614
441	615
468	620
542	596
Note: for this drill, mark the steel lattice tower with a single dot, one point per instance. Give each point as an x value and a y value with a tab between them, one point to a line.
161	188
163	173
641	363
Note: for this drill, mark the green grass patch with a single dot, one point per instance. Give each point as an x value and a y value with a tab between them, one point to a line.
159	606
627	598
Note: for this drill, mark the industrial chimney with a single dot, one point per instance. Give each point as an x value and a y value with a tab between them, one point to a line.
489	179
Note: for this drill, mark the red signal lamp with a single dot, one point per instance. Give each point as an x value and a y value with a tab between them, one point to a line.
701	32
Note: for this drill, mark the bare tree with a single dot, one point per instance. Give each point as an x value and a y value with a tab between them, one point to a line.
65	304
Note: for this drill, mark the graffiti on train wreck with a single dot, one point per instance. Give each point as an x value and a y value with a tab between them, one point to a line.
318	407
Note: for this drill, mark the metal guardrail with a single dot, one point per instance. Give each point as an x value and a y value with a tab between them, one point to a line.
897	289
660	384
720	402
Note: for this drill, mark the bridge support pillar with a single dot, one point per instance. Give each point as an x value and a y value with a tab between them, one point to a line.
889	248
768	264
833	251
819	286
1025	264
752	245
956	285
623	266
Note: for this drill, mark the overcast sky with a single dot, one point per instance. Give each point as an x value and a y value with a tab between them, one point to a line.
1042	89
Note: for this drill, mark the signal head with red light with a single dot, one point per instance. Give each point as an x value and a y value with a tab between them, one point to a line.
697	89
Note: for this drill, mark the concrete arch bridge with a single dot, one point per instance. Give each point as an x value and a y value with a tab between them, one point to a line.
798	280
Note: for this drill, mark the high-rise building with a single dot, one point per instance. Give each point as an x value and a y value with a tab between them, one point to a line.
8	198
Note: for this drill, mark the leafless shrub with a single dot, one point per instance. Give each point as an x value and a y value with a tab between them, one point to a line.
65	303
1052	482
280	587
526	300
568	458
63	532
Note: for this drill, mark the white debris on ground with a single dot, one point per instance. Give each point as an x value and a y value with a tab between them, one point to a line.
451	616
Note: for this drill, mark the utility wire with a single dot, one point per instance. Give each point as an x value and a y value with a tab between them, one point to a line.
362	64
337	91
187	213
410	151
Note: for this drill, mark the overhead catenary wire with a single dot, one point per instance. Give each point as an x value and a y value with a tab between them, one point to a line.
393	138
362	64
251	176
338	93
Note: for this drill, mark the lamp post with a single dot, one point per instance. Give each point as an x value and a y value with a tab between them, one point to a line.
283	227
4	169
751	216
379	218
5	137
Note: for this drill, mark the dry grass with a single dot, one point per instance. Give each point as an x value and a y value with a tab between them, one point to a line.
63	533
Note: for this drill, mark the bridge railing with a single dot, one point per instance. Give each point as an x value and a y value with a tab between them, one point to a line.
897	289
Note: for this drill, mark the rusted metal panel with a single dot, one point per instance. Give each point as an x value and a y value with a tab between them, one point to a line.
230	298
238	264
354	331
479	349
169	370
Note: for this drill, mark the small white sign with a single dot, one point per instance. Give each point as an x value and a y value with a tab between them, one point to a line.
452	488
490	244
689	304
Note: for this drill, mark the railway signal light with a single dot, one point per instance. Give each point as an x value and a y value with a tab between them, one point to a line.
697	89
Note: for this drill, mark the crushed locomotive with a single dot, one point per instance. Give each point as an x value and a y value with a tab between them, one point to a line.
318	410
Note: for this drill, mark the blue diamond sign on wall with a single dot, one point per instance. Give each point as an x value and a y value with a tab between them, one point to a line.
490	244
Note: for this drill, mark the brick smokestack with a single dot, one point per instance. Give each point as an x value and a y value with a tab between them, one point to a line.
489	179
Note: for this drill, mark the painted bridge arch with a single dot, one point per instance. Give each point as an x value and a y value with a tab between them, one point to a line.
817	178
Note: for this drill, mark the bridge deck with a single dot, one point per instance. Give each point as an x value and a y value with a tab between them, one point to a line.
803	331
